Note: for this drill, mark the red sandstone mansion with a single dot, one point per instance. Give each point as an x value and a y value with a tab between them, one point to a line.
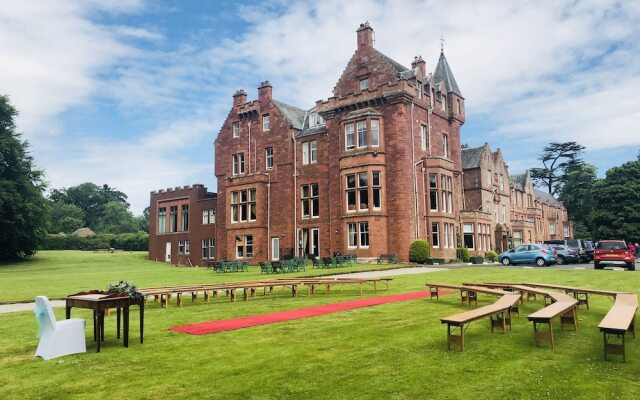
363	173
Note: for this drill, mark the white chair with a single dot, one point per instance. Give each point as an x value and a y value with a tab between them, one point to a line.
57	338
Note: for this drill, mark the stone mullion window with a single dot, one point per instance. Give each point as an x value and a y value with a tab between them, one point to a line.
243	205
304	199
435	235
363	191
185	217
351	192
433	192
362	134
162	220
375	133
363	241
349	137
315	200
173	219
377	190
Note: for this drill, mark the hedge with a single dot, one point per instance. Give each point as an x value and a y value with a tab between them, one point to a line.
125	241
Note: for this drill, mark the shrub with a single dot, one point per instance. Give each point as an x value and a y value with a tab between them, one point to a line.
491	256
462	254
126	241
419	251
454	261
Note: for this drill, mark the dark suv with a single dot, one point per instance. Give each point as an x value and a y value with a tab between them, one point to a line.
613	252
584	248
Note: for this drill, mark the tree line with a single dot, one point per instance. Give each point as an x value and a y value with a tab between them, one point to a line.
29	217
601	208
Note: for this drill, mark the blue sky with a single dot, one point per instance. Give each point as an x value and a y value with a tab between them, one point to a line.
132	93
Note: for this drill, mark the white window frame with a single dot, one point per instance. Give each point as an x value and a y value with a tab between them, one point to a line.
352	233
445	145
268	158
435	233
375	133
266	123
376	188
235	127
313	151
349	133
423	137
364	83
469	229
362	232
187	247
361	126
305	153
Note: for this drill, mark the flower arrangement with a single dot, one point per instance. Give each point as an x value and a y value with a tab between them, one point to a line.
125	287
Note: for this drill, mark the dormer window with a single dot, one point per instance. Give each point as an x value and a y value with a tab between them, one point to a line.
364	83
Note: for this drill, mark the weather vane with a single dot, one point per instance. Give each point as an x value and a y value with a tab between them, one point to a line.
441	43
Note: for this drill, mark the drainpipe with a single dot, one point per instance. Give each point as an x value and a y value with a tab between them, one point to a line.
415	184
249	155
422	169
295	197
269	249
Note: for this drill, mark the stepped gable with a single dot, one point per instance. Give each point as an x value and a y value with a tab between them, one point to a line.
547	198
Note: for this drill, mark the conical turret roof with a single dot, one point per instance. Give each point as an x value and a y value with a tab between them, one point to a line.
443	74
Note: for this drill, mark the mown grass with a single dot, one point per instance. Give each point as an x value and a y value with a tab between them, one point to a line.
60	273
392	351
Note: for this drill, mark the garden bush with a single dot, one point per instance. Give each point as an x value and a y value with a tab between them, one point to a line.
491	256
419	251
462	254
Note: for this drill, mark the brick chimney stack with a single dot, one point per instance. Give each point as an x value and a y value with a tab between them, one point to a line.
264	92
365	36
239	97
419	63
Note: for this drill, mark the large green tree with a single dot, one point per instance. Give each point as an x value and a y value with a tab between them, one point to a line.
557	159
64	218
143	220
616	212
116	218
22	204
91	199
576	193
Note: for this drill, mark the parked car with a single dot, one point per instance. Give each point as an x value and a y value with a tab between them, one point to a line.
589	249
613	252
581	246
539	254
565	254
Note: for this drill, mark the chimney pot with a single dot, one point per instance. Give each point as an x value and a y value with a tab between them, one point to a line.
265	91
365	36
239	97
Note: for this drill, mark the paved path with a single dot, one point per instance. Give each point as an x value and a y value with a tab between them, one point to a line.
388	272
8	308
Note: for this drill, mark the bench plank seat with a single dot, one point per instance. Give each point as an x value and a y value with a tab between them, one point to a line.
620	319
500	310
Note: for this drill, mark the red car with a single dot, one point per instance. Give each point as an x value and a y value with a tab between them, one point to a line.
614	252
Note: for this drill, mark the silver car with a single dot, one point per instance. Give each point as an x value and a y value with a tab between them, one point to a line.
565	254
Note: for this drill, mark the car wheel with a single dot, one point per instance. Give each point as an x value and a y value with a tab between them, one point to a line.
540	262
596	265
560	260
506	261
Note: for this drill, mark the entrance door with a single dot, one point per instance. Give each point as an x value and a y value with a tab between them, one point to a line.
315	242
167	252
303	242
275	249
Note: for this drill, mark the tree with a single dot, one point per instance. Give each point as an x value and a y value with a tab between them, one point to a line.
116	218
22	204
64	217
143	220
576	193
557	158
91	199
616	214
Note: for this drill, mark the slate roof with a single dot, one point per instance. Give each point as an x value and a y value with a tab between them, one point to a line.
518	181
312	131
547	198
471	157
443	74
293	114
403	71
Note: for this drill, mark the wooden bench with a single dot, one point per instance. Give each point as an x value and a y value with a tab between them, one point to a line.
468	292
389	258
499	314
580	294
620	319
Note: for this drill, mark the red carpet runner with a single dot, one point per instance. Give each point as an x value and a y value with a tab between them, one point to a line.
263	319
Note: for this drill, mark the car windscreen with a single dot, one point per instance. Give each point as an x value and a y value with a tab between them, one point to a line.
573	243
611	246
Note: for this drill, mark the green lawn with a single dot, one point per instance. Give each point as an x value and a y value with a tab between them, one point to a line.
59	273
392	351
